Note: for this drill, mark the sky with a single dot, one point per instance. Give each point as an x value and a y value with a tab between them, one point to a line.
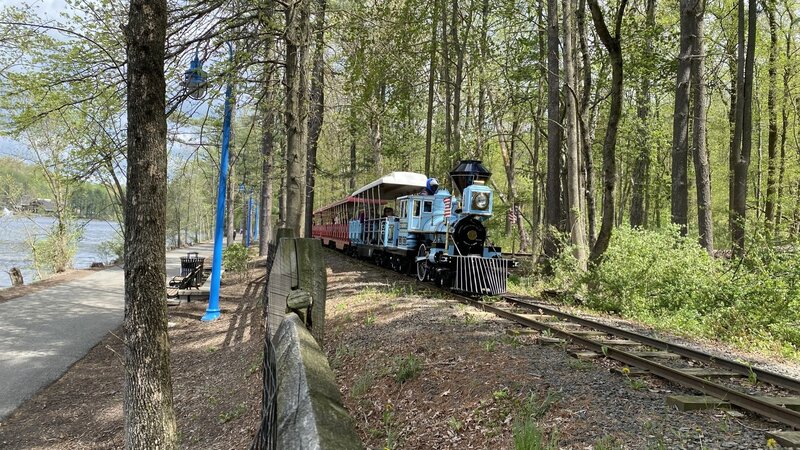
50	8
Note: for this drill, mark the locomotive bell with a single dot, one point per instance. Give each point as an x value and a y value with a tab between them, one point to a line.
467	172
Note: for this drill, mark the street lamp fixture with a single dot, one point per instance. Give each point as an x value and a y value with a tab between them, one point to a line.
195	79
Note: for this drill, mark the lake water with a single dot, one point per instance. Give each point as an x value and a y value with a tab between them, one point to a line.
15	231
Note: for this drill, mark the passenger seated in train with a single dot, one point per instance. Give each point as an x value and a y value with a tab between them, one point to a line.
388	212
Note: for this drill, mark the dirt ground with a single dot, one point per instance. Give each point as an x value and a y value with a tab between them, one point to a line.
216	373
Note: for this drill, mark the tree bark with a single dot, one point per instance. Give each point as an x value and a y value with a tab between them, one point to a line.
574	194
296	103
641	171
447	82
431	87
458	48
267	151
586	122
230	193
745	128
702	170
317	100
147	402
553	196
772	139
375	131
612	45
480	140
787	74
680	122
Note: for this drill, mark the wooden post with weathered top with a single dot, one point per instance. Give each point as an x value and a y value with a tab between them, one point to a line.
298	283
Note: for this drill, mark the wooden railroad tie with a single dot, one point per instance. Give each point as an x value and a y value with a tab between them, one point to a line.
696	402
786	439
697	372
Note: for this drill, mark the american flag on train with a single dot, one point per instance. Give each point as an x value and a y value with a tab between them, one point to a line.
447	206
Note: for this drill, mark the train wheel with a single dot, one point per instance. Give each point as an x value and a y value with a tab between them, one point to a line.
422	263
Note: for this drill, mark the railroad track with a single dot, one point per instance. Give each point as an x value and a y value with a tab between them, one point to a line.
647	355
651	356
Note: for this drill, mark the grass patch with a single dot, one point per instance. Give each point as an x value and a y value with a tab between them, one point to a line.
529	436
232	414
407	369
362	384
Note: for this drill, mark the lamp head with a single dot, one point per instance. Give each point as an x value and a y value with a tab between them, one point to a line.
195	79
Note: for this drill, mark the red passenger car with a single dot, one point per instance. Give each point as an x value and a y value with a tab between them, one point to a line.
331	222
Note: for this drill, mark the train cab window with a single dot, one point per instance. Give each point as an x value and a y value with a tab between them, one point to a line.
427	206
416	208
403	209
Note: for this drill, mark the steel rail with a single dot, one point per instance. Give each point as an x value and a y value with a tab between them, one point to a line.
784	415
743	369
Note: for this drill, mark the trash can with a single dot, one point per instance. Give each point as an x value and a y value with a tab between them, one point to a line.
190	262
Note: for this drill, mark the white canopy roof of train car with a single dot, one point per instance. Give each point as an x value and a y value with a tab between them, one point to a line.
394	185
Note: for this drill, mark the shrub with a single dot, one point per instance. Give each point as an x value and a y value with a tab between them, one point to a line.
55	252
112	249
668	280
234	258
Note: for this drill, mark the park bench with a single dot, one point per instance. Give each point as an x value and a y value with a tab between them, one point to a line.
193	279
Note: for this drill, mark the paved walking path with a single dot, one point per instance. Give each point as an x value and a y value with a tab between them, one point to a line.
42	334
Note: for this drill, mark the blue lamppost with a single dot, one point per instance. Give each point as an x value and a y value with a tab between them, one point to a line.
196	81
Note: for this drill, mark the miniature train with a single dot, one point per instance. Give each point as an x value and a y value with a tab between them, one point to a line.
405	221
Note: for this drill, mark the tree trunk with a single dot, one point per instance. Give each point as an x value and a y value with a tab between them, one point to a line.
745	127
772	139
553	197
458	48
680	122
447	82
574	194
375	132
641	171
267	150
147	402
353	160
296	104
612	45
585	122
431	88
480	140
230	206
317	100
787	74
702	170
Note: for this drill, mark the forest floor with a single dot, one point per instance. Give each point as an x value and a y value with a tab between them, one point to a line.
216	379
418	370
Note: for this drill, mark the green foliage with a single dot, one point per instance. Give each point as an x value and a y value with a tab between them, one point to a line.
362	384
670	281
407	369
234	258
529	436
54	253
113	249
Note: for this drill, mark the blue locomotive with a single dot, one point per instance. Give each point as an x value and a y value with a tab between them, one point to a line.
406	221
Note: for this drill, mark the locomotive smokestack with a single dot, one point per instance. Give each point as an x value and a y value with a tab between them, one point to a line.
467	172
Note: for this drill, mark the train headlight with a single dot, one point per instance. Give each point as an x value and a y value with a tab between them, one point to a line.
480	201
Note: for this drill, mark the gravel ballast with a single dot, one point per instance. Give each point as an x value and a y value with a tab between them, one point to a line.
420	370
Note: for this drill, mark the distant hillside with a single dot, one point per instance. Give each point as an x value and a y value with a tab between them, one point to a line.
23	187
